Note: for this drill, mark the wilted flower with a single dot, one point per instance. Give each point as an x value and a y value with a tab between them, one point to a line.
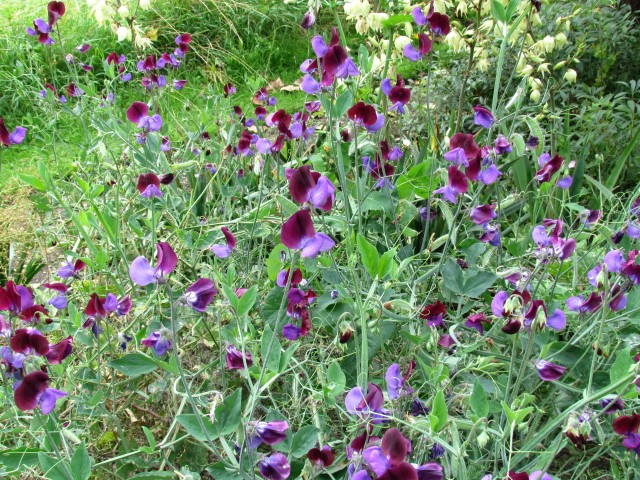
236	360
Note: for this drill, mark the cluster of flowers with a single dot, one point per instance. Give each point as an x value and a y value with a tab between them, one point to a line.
24	357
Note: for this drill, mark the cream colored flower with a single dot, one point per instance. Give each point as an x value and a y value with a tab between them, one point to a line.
400	42
145	4
123	11
548	43
356	9
561	39
375	20
123	33
570	75
535	96
362	26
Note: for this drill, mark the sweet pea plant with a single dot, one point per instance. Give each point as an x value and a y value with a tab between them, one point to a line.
337	290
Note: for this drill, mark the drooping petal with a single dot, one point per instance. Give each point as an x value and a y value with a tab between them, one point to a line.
394	446
167	258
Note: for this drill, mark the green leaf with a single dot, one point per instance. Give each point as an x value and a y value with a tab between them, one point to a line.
246	301
453	277
343	103
189	422
274	262
270	358
19	458
498	11
603	190
478	283
81	463
621	365
478	400
385	264
32	180
53	468
134	364
336	379
368	255
440	411
155	475
228	415
617	168
304	440
219	472
230	294
150	438
394	20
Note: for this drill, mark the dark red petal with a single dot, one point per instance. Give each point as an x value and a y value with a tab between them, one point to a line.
231	240
298	227
4	133
335	37
518	476
404	471
458	180
424	44
147	179
60	351
625	424
23	342
355	112
394	446
399	94
28	313
334	59
369	115
95	306
166	178
167	258
136	111
466	142
301	183
30	389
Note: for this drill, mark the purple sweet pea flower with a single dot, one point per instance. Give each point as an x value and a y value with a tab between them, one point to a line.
580	305
424	47
614	260
306	185
12	360
158	342
59	351
308	20
557	320
14	138
565	182
223	251
388	460
549	372
200	294
275	467
291	332
236	360
33	391
310	85
298	233
502	145
476	322
396	383
367	406
483	214
458	184
270	433
29	341
142	273
138	113
483	116
179	84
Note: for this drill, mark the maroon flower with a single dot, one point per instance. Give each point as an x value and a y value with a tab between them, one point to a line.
29	341
59	351
321	457
149	185
433	314
34	390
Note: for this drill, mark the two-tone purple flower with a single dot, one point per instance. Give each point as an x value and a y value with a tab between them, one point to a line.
200	294
298	233
16	137
307	186
159	341
142	273
223	251
397	383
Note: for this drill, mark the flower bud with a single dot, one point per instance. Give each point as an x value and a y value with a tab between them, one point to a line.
535	96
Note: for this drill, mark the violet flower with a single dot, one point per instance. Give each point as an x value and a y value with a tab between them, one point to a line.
275	467
142	273
223	251
70	270
14	138
236	360
424	47
321	457
549	167
388	460
398	95
158	341
580	305
59	301
433	314
483	116
549	372
457	185
200	294
306	185
138	113
502	145
298	233
476	322
396	383
149	185
369	406
270	433
483	214
33	391
308	20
